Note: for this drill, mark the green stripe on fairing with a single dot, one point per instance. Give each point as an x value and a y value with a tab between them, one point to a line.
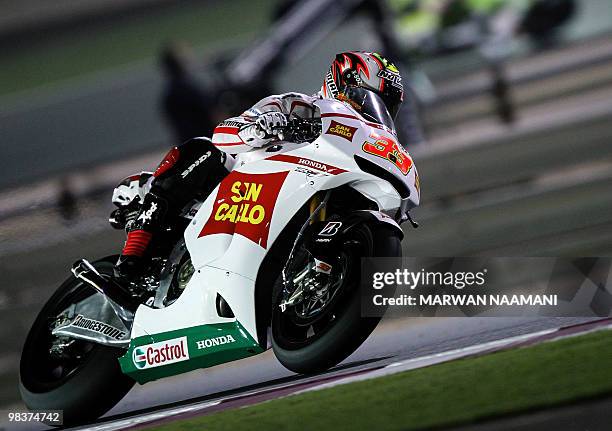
243	347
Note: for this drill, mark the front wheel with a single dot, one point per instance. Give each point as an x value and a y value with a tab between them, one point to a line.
326	326
59	373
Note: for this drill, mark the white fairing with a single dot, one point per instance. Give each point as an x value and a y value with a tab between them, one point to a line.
238	223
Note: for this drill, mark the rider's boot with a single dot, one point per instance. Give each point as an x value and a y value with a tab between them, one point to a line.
135	257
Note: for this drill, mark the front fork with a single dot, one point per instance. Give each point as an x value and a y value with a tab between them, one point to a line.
321	266
315	216
317	210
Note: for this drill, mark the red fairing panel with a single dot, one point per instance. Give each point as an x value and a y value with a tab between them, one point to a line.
244	206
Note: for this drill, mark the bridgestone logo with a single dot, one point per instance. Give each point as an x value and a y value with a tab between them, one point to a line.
217	341
99	327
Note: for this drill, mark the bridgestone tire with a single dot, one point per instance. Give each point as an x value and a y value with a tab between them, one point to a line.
93	388
350	329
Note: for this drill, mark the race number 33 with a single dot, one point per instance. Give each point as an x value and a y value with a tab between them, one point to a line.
389	149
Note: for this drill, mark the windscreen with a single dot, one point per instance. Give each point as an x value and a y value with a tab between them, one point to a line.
369	105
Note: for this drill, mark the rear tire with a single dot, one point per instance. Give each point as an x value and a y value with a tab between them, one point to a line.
350	329
93	382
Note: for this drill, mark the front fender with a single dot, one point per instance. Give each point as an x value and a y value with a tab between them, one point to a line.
324	237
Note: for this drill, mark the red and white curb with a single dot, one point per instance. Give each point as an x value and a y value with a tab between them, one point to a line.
322	382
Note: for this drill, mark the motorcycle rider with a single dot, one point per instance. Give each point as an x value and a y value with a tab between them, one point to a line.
197	166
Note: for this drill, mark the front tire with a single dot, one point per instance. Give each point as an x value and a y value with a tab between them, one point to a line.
347	329
87	381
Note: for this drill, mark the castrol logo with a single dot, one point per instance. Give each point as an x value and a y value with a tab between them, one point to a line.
162	353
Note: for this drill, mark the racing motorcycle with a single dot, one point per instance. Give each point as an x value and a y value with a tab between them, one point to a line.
271	258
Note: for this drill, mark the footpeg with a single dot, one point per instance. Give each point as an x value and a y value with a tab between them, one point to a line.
85	271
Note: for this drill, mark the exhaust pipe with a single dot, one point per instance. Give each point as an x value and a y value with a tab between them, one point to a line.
85	271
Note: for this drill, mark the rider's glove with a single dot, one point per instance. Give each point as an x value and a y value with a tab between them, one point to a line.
269	122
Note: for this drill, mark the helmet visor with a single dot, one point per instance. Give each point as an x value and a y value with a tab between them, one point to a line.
370	105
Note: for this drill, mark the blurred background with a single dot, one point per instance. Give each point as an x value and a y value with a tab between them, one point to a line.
509	119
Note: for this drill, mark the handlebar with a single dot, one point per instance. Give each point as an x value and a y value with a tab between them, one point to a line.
300	130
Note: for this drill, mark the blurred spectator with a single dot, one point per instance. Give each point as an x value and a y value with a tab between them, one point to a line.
501	93
282	8
67	201
455	12
185	102
545	18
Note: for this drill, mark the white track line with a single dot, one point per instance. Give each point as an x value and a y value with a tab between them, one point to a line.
149	417
392	368
437	358
424	361
389	369
166	413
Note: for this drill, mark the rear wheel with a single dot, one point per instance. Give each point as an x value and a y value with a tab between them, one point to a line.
60	373
326	326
